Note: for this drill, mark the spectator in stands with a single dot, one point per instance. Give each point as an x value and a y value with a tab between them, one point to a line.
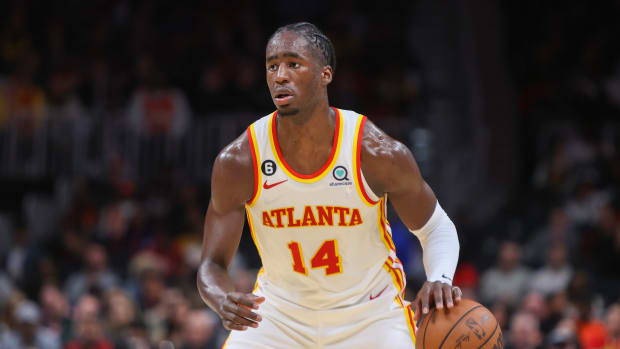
137	336
177	309
555	275
199	329
152	292
28	331
6	288
558	231
155	108
502	314
15	262
87	327
468	279
507	281
584	206
95	277
534	303
114	223
22	102
612	322
120	313
558	307
551	173
601	250
55	310
591	332
524	332
64	104
562	338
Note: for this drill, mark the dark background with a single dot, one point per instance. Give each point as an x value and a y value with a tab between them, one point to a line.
111	113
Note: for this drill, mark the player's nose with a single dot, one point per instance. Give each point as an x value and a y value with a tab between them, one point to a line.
282	75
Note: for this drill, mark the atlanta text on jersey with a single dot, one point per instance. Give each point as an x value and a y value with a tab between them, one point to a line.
312	216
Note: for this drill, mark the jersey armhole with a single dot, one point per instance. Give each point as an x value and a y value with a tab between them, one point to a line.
255	165
371	194
366	194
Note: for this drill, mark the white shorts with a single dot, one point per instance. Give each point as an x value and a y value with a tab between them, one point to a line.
384	322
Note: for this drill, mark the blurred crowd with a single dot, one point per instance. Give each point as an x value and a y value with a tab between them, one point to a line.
548	264
117	270
159	64
110	261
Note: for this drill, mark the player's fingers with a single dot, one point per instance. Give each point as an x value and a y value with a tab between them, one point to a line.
229	325
437	293
249	300
239	320
416	309
456	291
447	295
243	321
243	311
257	299
424	297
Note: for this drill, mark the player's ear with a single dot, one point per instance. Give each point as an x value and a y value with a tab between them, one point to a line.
327	74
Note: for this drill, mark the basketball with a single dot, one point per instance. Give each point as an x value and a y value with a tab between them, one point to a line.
467	325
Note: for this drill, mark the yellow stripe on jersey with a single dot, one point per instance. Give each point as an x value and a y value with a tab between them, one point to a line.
398	282
398	276
386	237
356	165
400	285
260	272
251	224
332	160
410	321
257	171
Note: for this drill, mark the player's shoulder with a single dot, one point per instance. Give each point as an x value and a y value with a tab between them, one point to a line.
232	178
237	155
377	144
387	164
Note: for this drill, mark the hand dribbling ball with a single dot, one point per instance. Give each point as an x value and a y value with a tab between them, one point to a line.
468	325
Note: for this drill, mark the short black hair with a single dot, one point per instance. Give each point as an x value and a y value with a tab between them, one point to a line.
319	41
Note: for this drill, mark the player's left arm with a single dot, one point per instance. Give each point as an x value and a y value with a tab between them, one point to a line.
389	167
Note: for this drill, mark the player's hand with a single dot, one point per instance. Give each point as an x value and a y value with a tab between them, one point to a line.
237	311
438	294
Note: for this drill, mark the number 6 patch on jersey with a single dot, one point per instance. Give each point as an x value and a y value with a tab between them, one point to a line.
325	257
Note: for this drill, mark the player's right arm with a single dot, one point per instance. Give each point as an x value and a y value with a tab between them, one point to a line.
232	185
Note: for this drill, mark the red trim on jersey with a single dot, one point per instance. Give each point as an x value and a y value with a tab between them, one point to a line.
383	220
397	277
411	321
254	165
358	170
331	156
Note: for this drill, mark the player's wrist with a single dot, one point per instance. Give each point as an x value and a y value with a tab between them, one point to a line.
443	277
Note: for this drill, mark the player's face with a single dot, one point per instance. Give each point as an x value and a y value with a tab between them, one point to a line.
293	73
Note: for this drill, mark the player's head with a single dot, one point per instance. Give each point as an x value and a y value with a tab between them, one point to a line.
300	62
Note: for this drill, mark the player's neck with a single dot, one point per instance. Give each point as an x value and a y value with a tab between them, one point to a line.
306	139
308	125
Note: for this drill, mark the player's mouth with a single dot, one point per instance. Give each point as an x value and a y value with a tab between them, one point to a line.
283	98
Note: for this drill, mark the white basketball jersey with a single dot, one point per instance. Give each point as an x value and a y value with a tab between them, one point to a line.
323	238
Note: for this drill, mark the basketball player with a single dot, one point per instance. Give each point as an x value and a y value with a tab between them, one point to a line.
313	181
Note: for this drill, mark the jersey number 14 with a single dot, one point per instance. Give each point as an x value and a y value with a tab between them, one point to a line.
325	257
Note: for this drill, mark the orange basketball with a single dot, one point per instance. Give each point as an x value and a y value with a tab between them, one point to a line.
467	325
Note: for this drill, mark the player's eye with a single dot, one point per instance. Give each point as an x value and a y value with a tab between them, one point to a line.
271	67
294	65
